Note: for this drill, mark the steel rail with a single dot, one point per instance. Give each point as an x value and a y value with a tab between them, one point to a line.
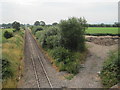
34	68
35	72
41	62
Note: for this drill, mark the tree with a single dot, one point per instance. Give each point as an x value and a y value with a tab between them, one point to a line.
55	23
9	25
42	23
72	33
102	25
116	24
16	26
37	23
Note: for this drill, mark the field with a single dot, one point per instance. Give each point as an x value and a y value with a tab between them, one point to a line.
102	30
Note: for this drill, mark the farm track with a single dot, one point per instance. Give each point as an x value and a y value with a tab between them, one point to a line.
41	79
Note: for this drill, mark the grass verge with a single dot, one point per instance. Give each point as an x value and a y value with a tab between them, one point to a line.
12	53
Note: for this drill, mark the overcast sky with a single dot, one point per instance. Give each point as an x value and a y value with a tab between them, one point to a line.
28	11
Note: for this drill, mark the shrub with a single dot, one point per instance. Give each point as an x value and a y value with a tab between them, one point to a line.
60	54
110	73
72	67
52	41
72	33
36	29
65	60
6	71
16	26
52	31
49	37
8	34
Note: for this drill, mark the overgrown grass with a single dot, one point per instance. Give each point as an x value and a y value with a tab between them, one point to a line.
102	30
12	51
110	73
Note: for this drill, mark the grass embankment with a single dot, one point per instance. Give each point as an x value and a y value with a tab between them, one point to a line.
102	30
110	73
12	55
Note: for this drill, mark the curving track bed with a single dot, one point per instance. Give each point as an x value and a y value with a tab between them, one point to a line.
39	72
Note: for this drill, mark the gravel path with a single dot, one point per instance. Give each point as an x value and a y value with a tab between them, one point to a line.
86	78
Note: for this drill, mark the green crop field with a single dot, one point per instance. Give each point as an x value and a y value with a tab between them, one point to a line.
102	30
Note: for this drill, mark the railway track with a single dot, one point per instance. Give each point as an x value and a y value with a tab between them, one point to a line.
41	76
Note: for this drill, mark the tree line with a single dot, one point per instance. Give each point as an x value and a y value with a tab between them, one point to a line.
116	24
42	23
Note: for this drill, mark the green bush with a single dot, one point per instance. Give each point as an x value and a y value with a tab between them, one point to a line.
49	37
8	34
65	60
73	67
6	70
52	31
72	33
110	73
60	54
52	41
36	29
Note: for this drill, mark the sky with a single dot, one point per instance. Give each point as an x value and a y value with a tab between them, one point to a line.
50	11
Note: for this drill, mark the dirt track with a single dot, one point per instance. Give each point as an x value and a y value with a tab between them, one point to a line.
88	76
